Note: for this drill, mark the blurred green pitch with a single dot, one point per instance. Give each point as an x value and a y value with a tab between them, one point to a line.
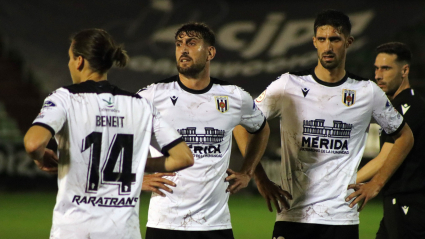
29	215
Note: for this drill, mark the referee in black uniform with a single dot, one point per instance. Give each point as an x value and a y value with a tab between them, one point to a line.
404	194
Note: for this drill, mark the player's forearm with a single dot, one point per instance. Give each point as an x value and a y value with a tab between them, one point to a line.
35	142
260	174
180	157
401	148
256	146
367	171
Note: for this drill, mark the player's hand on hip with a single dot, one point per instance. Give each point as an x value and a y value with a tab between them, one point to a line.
156	181
237	181
363	192
49	163
274	193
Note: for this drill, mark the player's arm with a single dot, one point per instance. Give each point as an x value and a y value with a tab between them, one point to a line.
269	190
253	149
35	142
372	167
403	143
180	157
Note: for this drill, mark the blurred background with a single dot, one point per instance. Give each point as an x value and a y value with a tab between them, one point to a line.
256	42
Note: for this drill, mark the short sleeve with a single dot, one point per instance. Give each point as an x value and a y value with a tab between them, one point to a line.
165	135
252	119
269	101
384	113
53	113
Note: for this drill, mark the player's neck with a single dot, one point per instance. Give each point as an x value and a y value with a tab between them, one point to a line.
404	85
330	75
94	76
199	82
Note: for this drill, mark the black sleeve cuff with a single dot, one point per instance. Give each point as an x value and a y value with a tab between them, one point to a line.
169	146
399	129
46	126
261	128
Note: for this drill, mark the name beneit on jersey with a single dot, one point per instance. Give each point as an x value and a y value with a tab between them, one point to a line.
110	121
325	139
106	201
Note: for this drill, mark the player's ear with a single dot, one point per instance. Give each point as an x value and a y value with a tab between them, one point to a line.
80	63
349	41
314	42
405	70
211	53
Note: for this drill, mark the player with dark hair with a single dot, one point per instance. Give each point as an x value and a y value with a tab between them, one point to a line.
404	193
204	110
103	135
325	113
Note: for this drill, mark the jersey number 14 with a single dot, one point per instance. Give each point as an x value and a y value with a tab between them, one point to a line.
120	150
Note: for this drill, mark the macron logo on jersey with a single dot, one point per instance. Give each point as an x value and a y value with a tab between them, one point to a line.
174	99
305	91
48	103
405	108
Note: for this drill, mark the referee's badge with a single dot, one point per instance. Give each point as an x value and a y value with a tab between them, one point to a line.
222	103
348	97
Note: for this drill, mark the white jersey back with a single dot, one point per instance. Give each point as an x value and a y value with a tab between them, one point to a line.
323	134
103	136
205	119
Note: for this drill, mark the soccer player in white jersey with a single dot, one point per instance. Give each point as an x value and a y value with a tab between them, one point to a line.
204	110
325	113
103	135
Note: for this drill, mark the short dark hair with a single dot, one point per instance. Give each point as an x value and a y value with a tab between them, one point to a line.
198	29
335	19
399	49
99	49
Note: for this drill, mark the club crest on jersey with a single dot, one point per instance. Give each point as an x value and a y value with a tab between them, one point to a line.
222	103
348	97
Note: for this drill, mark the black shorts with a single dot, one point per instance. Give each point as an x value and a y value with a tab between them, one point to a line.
295	230
155	233
404	217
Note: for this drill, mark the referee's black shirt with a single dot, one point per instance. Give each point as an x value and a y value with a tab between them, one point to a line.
410	176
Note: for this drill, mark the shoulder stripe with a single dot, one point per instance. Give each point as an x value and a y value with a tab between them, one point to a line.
356	77
302	73
98	88
169	80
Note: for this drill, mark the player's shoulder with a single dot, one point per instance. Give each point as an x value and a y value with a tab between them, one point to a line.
358	78
161	84
100	87
227	87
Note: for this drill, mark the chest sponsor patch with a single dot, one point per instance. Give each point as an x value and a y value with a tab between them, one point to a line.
222	103
348	97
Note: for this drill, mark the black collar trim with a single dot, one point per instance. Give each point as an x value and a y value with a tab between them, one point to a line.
342	81
205	90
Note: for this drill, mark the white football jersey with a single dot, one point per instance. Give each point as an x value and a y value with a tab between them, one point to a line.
323	134
103	135
205	118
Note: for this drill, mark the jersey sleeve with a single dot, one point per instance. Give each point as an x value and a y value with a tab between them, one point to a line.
268	101
252	119
165	135
384	113
53	113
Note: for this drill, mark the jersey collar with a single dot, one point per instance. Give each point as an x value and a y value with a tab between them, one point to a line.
342	81
205	90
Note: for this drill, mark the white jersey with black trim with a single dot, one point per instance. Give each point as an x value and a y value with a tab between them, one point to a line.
205	118
323	134
103	135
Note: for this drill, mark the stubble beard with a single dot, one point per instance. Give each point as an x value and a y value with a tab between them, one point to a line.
191	71
329	65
